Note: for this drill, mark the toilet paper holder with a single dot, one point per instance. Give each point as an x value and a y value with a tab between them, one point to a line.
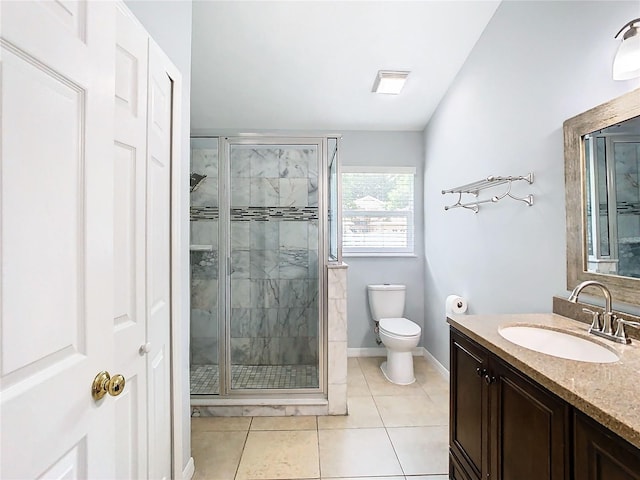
456	304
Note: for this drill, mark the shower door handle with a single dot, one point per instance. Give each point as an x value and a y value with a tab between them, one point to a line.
229	266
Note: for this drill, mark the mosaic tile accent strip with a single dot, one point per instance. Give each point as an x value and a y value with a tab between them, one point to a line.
204	213
274	213
205	378
623	208
628	208
246	214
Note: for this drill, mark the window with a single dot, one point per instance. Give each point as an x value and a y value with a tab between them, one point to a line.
377	210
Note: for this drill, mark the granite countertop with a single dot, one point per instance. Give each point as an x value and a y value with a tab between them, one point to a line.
607	392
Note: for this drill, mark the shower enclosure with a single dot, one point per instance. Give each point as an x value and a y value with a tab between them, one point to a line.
258	250
613	203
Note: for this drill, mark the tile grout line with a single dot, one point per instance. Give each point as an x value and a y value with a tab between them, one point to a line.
244	445
318	446
371	378
386	431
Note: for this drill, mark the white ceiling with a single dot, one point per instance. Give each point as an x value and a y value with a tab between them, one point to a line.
302	65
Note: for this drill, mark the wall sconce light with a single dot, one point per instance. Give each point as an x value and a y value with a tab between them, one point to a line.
626	64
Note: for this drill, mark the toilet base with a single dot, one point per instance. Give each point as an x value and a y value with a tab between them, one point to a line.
398	368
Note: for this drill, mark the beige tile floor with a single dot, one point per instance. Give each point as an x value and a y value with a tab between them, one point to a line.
391	433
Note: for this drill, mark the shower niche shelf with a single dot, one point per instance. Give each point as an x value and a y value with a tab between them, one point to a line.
474	189
201	248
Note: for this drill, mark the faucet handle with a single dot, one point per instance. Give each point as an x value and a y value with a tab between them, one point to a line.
629	322
620	333
595	322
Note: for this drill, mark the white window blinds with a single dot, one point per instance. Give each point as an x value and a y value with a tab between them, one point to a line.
377	205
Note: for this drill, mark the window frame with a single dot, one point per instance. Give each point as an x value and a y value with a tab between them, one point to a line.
368	251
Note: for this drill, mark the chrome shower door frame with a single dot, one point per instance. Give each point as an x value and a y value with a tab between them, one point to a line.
225	144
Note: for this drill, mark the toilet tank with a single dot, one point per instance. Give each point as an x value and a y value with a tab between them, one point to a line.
386	301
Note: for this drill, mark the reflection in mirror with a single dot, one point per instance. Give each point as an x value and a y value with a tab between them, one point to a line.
602	165
612	161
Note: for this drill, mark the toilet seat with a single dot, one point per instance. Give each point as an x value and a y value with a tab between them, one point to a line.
399	327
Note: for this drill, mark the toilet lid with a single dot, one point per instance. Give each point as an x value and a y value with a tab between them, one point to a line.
399	326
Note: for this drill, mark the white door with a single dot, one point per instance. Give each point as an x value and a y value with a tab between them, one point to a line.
159	128
56	238
129	323
143	98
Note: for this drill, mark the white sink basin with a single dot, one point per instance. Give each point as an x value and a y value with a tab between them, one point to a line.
558	344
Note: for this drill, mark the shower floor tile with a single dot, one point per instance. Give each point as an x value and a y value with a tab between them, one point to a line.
205	378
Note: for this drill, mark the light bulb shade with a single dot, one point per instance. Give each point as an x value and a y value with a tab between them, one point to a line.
626	64
389	82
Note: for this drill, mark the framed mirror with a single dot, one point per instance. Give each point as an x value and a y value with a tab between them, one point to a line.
602	176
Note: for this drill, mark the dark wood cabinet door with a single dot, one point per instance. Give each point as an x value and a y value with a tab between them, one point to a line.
601	455
455	470
468	432
529	429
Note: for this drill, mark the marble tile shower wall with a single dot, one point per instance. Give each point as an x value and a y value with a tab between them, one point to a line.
274	263
628	201
204	263
274	266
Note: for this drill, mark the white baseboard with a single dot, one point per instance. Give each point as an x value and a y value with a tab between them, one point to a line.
189	470
434	361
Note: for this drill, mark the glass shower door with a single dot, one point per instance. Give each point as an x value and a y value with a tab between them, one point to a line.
204	216
274	334
626	154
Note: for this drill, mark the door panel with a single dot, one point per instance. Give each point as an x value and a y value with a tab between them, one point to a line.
129	326
40	100
529	429
71	466
469	408
158	266
129	446
57	272
601	455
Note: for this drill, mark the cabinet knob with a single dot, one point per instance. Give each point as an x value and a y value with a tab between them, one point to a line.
481	372
488	379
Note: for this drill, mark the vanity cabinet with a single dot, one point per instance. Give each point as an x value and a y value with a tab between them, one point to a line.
503	426
599	454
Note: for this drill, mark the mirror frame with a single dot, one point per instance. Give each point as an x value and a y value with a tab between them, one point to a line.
624	289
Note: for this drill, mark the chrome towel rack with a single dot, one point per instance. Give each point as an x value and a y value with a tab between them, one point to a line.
474	189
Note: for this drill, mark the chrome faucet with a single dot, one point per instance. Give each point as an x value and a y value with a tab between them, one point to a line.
604	329
608	316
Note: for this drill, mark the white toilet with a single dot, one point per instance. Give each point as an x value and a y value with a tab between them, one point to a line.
400	335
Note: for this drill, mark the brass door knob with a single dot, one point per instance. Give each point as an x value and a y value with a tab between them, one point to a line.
105	383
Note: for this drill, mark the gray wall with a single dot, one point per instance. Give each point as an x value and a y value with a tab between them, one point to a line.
385	149
169	24
536	64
